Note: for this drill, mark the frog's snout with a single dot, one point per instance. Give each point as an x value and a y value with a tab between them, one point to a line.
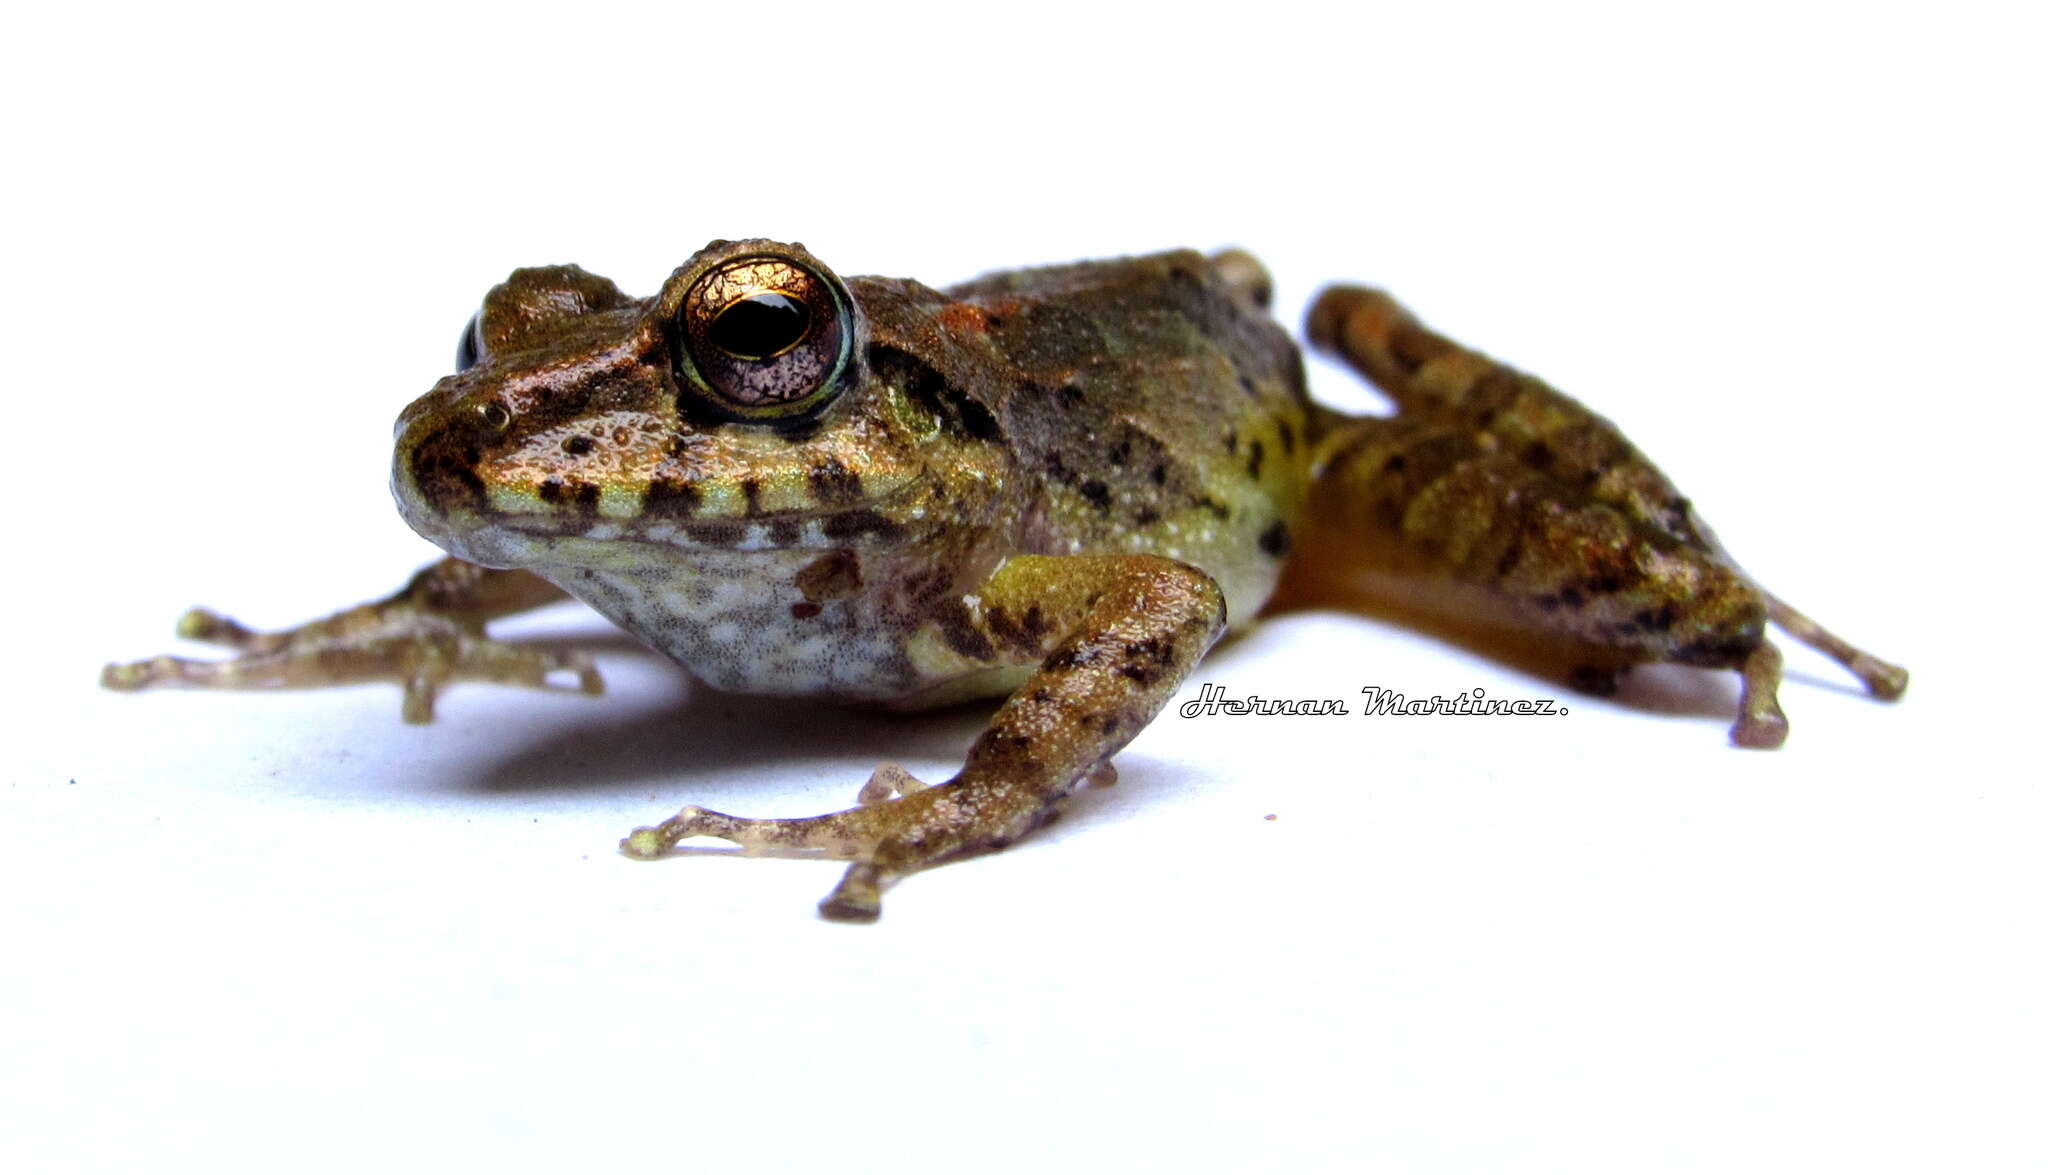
438	442
440	397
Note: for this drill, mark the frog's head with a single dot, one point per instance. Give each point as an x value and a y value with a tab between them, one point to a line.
734	410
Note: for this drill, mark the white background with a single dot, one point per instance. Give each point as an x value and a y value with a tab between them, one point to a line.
1795	249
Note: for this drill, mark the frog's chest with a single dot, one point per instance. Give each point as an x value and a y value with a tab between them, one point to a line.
803	622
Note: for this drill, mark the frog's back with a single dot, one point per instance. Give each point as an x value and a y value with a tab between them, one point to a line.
1160	410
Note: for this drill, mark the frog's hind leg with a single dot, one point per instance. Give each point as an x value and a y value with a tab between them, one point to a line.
424	636
1525	509
1112	636
1245	275
1881	678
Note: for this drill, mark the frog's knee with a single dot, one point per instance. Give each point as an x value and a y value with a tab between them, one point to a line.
1245	275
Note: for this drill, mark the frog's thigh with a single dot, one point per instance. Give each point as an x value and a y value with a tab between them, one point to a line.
1430	522
1113	636
1435	378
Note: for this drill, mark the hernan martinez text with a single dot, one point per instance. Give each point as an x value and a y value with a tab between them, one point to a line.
1378	702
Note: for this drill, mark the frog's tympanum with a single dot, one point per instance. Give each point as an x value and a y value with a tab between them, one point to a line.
1051	485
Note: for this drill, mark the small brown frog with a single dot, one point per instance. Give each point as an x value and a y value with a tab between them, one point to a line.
1050	484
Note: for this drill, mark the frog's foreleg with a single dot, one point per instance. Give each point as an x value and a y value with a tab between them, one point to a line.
1677	595
425	635
1113	636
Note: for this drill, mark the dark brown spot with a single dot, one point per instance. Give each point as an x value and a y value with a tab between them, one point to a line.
1508	559
1070	396
997	618
1141	674
1716	651
719	533
1539	456
1159	475
1213	506
956	628
1395	464
804	611
551	490
1145	516
955	410
1286	438
1158	650
1096	492
1659	621
577	446
855	523
1257	460
1597	680
1275	540
750	488
833	484
1078	657
671	499
799	429
834	575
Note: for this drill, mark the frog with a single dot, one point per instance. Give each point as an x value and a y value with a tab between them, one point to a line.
1057	486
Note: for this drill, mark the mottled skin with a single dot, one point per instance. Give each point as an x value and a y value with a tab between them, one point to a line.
1051	484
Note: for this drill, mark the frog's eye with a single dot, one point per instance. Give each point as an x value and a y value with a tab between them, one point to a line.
469	348
764	337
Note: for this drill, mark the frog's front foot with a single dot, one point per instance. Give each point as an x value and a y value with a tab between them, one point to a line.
402	640
859	835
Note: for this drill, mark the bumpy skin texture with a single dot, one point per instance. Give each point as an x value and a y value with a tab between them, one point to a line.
1053	484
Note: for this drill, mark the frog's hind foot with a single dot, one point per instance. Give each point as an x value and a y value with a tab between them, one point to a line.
1882	678
1761	724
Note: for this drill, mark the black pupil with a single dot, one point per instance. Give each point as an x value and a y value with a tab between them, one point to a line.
467	351
759	326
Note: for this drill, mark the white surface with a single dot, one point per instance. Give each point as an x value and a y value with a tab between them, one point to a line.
1794	249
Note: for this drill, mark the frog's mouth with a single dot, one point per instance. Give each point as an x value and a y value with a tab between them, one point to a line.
549	523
